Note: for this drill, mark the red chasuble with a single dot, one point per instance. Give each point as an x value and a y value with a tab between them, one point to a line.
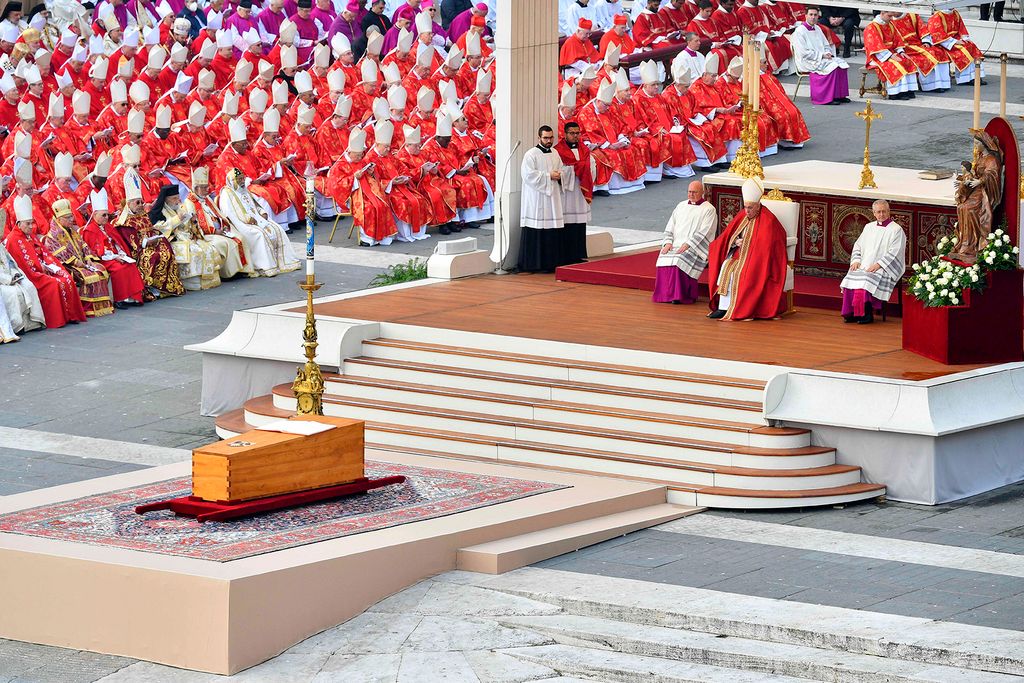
760	263
367	204
708	134
625	43
879	38
789	122
943	26
656	115
599	129
767	133
926	57
57	291
575	49
580	166
434	186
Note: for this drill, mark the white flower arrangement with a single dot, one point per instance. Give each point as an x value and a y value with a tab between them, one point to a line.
938	282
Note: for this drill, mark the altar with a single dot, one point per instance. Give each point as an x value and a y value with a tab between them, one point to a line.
833	211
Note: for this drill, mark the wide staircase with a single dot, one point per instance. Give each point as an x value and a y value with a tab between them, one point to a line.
703	436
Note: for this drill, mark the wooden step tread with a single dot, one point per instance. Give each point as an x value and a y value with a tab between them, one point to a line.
546	382
610	433
623	457
849	489
233	421
568	363
721	425
539	402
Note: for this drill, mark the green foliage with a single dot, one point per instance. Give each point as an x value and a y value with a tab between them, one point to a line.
413	269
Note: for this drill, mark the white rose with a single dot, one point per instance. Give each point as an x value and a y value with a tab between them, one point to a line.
989	260
917	267
1016	250
1006	239
931	296
930	287
991	235
1006	257
974	278
999	231
924	278
954	300
944	292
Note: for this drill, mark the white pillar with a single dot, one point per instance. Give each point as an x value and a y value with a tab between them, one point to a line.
526	97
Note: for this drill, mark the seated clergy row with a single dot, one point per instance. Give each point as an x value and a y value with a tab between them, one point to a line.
81	264
747	262
644	134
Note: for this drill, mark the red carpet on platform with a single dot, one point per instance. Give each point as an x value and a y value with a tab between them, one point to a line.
635	270
109	519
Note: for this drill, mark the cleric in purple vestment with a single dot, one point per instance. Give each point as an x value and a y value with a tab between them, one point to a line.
323	12
460	24
814	56
411	8
346	23
404	18
270	21
121	11
309	30
242	20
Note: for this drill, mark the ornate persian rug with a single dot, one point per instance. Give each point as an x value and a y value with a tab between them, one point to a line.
109	519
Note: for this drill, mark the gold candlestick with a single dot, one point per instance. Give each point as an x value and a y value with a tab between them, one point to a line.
747	163
867	178
308	386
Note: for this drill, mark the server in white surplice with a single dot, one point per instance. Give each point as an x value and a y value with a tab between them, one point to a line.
542	244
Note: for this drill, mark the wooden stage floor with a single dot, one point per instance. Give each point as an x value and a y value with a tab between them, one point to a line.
539	307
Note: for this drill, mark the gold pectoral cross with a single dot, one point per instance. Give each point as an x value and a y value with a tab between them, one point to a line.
867	178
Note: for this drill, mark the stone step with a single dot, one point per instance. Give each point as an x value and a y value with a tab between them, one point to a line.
565	369
743	653
592	428
498	557
820	626
628	668
544	387
477	399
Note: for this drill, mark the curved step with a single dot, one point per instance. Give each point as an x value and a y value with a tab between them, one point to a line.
468	444
535	408
565	369
672	471
541	388
585	424
262	409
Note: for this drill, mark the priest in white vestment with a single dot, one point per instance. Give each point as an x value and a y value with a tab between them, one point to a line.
827	73
691	56
265	239
541	216
684	250
877	263
20	309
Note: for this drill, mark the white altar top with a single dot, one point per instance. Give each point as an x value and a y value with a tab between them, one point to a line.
840	180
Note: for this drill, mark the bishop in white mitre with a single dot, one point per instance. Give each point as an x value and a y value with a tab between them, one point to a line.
541	244
814	56
877	263
684	249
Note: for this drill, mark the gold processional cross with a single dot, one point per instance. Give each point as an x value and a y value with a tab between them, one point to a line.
867	178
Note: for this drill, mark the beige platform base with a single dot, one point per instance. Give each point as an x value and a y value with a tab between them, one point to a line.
498	557
599	243
225	617
455	266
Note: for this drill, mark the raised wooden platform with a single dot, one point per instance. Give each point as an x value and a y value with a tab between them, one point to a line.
539	307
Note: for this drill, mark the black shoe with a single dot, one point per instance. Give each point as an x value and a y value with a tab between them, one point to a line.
850	318
120	305
869	316
444	230
724	166
984	82
364	244
602	193
454	227
716	314
911	96
829	104
471	226
844	100
846	54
